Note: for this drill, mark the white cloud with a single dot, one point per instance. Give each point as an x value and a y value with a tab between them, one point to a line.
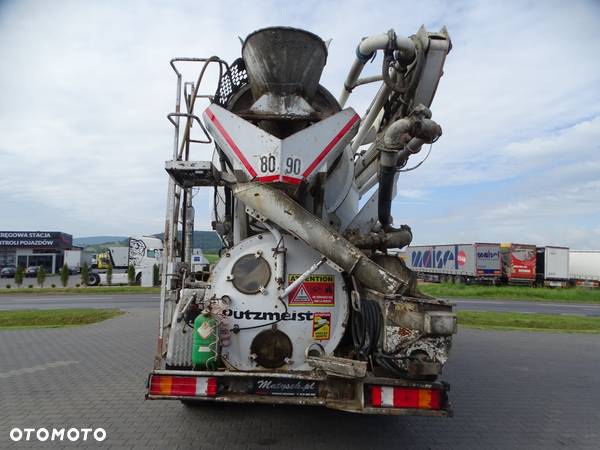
87	86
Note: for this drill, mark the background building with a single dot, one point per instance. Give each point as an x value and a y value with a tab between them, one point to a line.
34	248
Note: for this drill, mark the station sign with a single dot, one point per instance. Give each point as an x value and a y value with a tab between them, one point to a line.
35	239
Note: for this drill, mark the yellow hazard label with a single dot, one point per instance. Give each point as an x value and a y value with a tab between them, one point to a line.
321	326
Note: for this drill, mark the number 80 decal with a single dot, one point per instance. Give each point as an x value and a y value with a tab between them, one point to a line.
268	163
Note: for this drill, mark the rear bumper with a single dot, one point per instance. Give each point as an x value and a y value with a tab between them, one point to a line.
350	395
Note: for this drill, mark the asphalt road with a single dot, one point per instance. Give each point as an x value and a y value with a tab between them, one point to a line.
509	390
120	301
129	301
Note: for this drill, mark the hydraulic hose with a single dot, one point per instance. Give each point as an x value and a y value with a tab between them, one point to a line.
384	201
367	325
366	328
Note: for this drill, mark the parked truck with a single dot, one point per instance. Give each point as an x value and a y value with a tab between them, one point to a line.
456	263
305	306
117	257
75	258
519	263
584	268
552	266
143	252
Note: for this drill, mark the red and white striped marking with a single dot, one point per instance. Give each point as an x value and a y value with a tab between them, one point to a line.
183	386
405	397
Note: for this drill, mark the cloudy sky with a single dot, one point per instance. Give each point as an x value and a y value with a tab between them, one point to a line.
85	87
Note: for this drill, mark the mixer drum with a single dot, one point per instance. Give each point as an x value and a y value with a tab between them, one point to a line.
268	333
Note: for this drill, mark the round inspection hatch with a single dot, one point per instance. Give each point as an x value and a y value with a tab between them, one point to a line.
272	348
250	274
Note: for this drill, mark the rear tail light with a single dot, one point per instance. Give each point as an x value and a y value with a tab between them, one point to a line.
183	386
405	397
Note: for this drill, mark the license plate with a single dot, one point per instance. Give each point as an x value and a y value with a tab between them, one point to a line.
286	387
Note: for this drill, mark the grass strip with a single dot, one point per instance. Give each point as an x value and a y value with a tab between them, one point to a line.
563	295
211	258
528	322
91	290
54	318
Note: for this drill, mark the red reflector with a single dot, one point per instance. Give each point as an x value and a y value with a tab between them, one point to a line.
183	386
211	387
405	397
376	395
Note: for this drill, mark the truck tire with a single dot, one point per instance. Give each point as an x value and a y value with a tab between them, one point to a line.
93	279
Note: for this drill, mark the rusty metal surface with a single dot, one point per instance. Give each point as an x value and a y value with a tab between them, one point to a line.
340	367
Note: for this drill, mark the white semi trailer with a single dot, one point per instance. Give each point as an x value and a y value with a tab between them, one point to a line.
456	263
584	268
552	266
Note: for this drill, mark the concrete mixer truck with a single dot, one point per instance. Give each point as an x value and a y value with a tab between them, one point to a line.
308	303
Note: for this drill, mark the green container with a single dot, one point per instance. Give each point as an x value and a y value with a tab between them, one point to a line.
204	344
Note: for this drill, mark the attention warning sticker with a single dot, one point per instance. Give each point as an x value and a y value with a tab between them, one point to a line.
316	290
321	326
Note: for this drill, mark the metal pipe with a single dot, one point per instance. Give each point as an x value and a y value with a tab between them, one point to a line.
367	80
383	241
363	162
301	278
393	136
365	176
378	102
189	228
371	44
279	255
372	181
353	74
364	52
169	242
274	205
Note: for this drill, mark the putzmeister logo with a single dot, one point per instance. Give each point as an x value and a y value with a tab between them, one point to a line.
57	434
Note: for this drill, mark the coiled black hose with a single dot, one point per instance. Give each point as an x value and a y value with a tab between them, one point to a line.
366	327
367	324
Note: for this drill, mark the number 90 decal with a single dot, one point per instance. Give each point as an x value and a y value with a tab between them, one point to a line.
268	164
293	166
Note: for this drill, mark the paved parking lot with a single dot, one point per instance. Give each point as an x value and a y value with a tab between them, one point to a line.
509	389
